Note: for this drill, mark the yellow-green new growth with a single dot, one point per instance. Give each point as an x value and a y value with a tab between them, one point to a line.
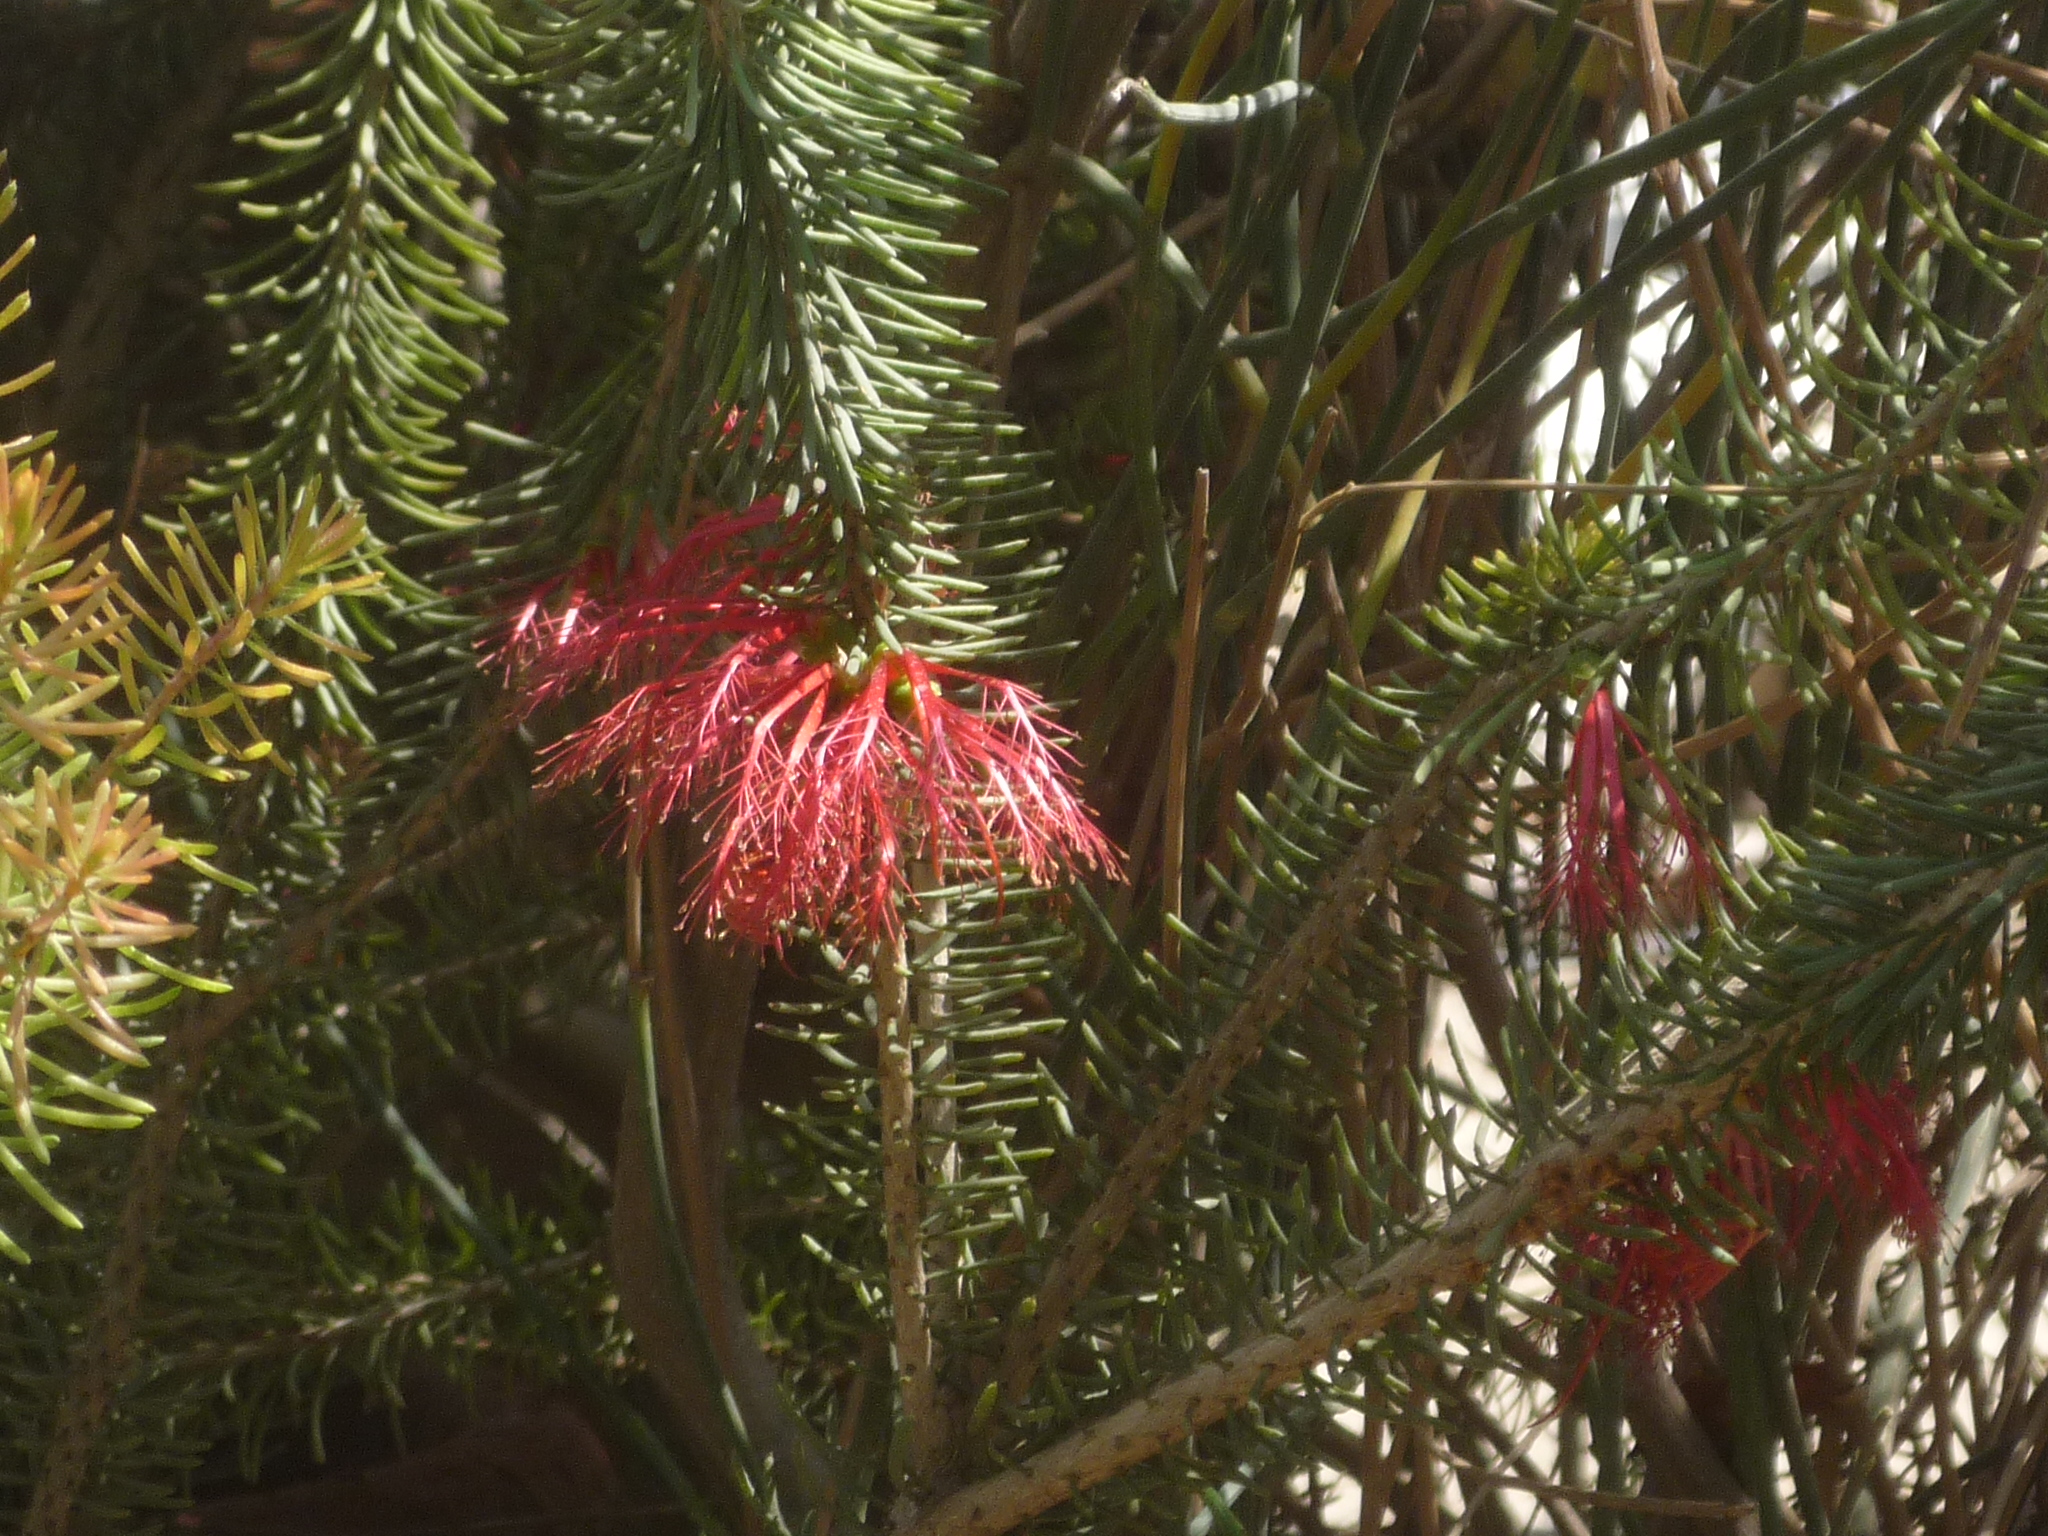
105	691
105	687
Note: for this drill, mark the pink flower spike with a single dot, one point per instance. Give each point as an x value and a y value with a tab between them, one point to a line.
1598	880
607	625
824	776
1598	876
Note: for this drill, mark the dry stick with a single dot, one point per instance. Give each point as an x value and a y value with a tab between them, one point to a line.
903	1213
1343	60
1451	93
1940	1388
1993	633
1377	1473
1865	612
1660	93
1871	722
1658	88
1555	1498
1834	681
2030	1040
2017	1480
1174	830
1424	1496
1085	298
1868	1445
1260	637
1828	21
100	1362
1349	661
1747	299
1639	1503
1552	1188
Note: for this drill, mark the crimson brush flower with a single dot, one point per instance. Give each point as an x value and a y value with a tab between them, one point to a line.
1853	1146
553	611
1598	877
837	783
825	774
604	624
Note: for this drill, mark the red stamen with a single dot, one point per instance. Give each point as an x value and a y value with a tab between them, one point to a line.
1598	876
1860	1150
726	702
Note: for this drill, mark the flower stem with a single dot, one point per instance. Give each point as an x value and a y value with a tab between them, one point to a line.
903	1212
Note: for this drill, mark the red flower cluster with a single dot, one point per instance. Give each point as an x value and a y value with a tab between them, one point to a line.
1599	878
827	770
1855	1146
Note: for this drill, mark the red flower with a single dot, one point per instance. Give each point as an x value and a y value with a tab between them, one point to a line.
1867	1142
541	627
600	623
1598	880
826	771
1856	1147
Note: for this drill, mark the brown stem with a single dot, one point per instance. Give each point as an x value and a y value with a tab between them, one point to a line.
1086	297
1174	827
903	1214
1985	651
1941	1392
1252	691
1548	1192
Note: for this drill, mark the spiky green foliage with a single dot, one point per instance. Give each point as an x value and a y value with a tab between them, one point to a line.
112	691
1292	1183
361	306
793	180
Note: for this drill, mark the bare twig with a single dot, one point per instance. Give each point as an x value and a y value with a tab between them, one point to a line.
1660	99
2002	1510
1082	299
1859	26
1640	1503
1940	1391
1551	1188
1174	829
1348	659
1870	1457
1985	650
1260	637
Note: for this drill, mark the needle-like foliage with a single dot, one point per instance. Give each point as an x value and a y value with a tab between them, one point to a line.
1261	766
